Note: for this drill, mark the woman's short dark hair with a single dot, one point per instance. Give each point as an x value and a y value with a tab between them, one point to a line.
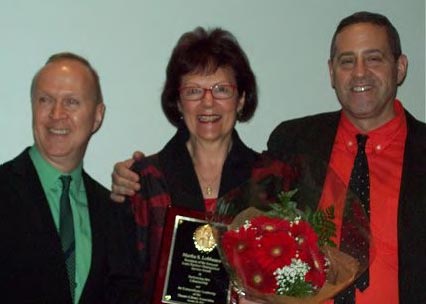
204	51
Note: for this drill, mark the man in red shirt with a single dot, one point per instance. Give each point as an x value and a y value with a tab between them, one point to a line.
366	66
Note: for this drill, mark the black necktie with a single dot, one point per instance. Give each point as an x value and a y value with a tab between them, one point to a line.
66	230
356	217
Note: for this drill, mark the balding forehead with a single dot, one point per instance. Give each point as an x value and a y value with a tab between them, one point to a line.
61	64
66	70
68	65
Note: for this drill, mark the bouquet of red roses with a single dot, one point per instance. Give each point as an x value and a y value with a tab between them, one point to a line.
275	251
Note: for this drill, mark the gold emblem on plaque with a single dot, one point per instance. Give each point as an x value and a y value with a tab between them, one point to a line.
203	238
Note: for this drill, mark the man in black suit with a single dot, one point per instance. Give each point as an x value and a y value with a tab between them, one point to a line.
62	244
366	66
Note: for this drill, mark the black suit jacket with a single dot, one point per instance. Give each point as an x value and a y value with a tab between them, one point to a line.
313	137
32	267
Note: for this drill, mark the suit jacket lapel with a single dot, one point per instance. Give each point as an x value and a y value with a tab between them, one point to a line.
38	216
316	148
307	144
29	189
98	218
179	173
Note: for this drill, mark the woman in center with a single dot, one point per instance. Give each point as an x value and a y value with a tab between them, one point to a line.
209	87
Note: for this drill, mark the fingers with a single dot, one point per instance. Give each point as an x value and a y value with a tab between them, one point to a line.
117	198
123	186
125	182
138	155
122	173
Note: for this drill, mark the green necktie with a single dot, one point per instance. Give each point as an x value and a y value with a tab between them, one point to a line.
66	231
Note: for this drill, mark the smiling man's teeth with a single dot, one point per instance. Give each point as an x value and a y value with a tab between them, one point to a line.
207	118
59	131
360	88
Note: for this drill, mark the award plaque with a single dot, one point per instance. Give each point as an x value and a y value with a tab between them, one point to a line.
190	268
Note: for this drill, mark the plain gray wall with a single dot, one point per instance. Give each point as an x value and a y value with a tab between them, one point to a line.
129	42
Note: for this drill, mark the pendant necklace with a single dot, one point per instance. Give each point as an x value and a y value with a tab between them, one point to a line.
208	184
209	190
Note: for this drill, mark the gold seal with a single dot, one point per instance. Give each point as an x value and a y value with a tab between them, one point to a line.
203	238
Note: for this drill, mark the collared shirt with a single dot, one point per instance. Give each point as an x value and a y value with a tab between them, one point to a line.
385	151
52	187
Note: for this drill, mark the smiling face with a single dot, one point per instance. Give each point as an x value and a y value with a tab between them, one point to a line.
65	112
365	75
210	119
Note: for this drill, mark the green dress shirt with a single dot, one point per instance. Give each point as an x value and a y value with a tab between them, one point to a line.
52	186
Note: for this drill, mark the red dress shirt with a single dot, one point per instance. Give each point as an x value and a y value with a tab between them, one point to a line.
385	151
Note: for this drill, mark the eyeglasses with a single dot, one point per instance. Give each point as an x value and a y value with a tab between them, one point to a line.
218	91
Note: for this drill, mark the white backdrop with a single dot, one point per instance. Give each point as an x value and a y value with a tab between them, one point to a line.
129	42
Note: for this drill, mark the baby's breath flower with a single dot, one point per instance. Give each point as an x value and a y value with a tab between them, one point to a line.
287	276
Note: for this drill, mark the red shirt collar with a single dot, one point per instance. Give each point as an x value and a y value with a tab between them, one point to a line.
378	139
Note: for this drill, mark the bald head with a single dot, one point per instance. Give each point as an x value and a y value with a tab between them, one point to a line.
71	57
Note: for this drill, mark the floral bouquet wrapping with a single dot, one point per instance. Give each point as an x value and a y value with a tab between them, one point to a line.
275	249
